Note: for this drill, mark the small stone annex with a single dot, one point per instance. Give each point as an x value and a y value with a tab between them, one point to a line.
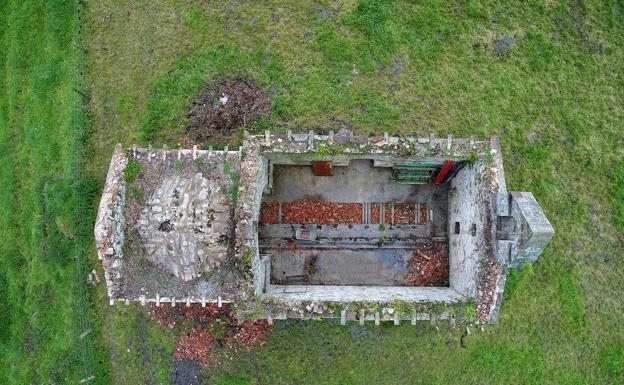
318	226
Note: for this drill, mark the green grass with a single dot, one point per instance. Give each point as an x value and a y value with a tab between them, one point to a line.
554	98
45	210
144	350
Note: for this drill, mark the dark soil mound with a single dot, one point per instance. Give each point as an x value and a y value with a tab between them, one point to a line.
226	105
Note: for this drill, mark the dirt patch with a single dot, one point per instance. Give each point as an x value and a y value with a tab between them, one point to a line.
187	372
503	45
222	107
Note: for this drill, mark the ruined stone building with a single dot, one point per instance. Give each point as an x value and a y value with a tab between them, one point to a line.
308	225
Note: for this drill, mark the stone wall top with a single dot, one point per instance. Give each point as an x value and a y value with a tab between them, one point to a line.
346	142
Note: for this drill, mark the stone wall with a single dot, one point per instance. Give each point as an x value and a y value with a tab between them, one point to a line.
109	236
469	227
253	178
345	144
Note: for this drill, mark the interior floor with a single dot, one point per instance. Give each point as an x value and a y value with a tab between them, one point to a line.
357	227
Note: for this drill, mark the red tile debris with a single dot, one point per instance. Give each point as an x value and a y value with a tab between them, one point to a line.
375	215
422	214
388	213
269	212
322	213
196	344
199	341
249	335
404	213
429	267
330	213
487	297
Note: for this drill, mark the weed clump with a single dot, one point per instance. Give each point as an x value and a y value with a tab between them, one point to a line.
132	171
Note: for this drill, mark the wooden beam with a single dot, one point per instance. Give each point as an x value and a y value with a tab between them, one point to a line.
446	167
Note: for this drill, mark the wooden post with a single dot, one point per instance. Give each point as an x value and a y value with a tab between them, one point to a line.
343	317
362	314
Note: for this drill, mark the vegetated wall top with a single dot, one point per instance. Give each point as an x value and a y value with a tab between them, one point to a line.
345	143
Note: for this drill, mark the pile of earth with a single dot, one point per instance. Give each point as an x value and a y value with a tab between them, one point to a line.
222	107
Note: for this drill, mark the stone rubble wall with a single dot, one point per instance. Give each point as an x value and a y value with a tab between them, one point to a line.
345	142
253	177
109	236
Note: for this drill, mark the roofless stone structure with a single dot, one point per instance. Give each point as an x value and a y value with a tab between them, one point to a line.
302	225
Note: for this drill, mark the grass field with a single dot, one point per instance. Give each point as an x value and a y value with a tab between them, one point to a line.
546	77
45	210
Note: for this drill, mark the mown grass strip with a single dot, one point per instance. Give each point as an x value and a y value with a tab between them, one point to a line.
46	204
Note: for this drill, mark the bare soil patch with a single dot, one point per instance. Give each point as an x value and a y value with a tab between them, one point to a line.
222	107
